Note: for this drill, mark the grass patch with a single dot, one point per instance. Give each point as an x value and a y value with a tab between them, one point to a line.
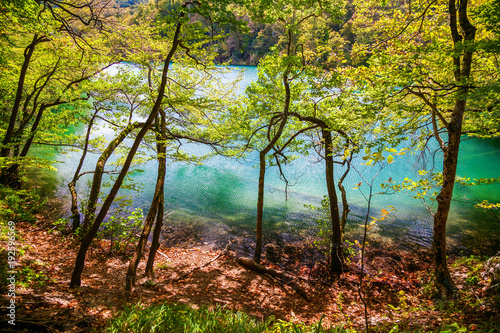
183	319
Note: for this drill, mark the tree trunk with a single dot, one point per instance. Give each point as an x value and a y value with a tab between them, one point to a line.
345	204
338	222
153	211
11	172
80	259
28	53
9	176
143	240
75	214
99	171
260	207
262	169
462	68
336	252
155	243
443	281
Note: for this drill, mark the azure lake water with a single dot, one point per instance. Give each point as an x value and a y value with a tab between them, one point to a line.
223	192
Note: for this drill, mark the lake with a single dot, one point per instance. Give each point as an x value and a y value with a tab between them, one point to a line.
223	192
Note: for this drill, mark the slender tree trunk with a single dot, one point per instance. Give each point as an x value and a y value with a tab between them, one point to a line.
143	240
345	203
260	207
75	214
462	69
155	243
80	259
11	172
262	170
156	209
9	176
338	221
444	281
336	252
162	151
99	171
28	53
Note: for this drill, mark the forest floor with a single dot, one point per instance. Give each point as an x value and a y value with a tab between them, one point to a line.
400	290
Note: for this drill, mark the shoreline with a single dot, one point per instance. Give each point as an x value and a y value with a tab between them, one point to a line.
399	278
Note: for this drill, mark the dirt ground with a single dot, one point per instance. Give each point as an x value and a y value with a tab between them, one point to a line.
398	289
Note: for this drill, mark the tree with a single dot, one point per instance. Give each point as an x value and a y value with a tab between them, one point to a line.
183	34
51	50
427	70
189	114
275	100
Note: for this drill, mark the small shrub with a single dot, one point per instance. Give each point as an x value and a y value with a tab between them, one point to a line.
19	205
121	229
323	230
28	276
163	265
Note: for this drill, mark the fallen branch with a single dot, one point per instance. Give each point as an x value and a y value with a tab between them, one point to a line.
163	254
286	278
205	264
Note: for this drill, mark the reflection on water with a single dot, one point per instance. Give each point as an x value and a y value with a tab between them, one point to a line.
224	191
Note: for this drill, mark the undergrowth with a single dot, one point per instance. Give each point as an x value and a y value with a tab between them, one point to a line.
19	205
181	318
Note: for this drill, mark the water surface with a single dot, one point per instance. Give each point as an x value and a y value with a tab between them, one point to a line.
223	191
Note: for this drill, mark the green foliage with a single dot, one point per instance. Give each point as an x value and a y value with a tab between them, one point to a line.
32	277
120	229
474	266
184	319
181	318
60	225
449	328
410	73
323	232
488	13
47	58
163	266
281	326
427	187
20	205
323	227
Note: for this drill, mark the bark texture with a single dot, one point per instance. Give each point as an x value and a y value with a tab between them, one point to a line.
154	210
262	170
461	30
336	252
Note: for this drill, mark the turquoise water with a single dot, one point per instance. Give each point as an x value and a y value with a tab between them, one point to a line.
224	191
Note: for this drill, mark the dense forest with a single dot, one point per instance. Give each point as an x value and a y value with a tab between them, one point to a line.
357	86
